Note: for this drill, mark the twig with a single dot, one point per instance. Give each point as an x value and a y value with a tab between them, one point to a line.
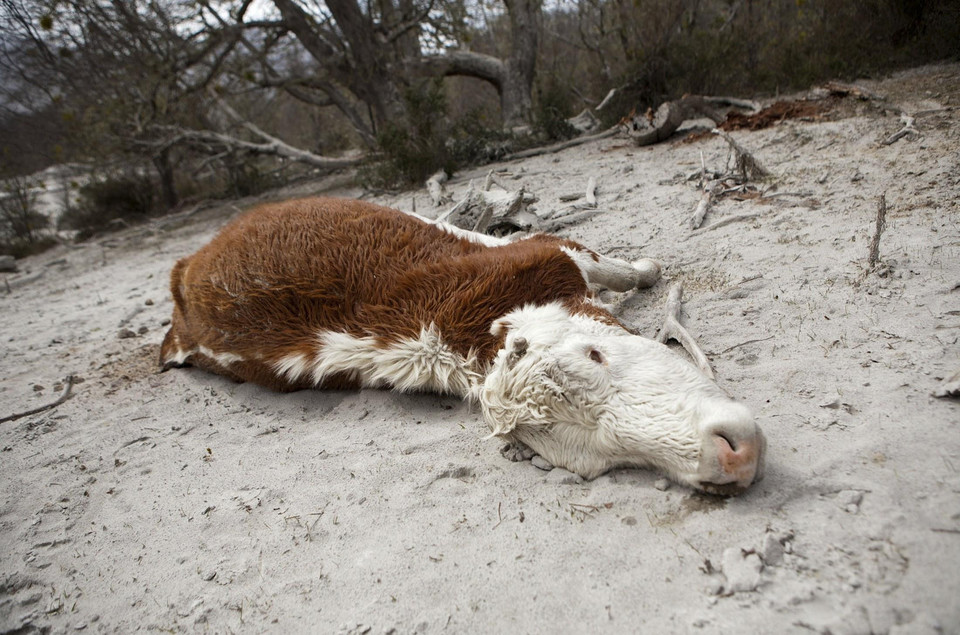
874	255
744	162
557	147
672	329
735	346
906	131
63	397
704	205
727	221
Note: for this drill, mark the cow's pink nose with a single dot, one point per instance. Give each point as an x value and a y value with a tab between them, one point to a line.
732	457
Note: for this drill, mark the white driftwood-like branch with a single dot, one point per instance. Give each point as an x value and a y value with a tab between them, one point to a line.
438	193
908	130
672	329
706	199
480	210
269	145
275	147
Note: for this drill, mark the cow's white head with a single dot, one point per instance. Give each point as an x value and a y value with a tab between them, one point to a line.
589	397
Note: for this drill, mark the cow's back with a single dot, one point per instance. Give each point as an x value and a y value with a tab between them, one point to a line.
266	289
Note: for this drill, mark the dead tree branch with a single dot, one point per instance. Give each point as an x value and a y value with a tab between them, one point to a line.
563	145
63	397
874	256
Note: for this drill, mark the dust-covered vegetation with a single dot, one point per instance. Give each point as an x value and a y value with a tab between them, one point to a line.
186	94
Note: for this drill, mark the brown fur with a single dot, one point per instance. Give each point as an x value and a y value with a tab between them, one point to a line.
278	276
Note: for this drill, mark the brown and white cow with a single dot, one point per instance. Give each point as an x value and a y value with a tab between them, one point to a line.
326	293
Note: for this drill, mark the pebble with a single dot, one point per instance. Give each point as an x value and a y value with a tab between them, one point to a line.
142	330
210	575
772	551
662	484
742	570
148	302
849	500
125	334
542	463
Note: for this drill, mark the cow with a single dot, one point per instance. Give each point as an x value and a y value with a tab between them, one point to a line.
345	294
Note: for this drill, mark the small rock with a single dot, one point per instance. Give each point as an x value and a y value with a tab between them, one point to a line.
165	322
563	477
142	330
772	551
210	575
662	484
148	302
629	520
38	388
714	587
125	334
741	569
542	463
8	264
848	498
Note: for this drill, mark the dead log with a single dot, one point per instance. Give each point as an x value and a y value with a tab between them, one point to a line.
655	127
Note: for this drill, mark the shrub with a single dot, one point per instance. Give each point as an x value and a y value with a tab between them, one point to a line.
111	203
21	225
551	111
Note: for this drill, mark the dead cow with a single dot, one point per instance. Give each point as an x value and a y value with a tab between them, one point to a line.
326	293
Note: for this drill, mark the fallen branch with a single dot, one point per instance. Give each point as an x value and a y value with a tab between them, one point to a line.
563	145
706	198
484	210
874	256
672	329
63	397
727	221
907	131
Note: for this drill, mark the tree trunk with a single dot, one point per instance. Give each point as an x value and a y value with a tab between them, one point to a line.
515	102
164	169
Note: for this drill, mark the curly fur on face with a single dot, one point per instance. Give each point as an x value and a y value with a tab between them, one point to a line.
589	397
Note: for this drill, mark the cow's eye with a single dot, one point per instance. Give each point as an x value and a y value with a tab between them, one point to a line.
596	356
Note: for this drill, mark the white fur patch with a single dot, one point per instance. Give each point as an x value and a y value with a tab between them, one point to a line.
423	363
224	359
293	366
474	237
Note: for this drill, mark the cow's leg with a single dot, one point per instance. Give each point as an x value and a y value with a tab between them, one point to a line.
672	329
613	273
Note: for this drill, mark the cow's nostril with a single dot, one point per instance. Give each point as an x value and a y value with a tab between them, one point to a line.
730	442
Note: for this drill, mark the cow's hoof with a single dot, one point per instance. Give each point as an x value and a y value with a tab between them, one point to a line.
516	452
